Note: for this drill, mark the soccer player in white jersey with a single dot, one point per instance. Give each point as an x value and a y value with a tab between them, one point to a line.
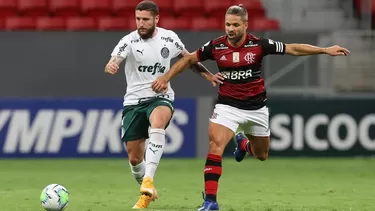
148	52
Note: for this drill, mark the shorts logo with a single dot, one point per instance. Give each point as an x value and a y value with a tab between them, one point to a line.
214	115
164	52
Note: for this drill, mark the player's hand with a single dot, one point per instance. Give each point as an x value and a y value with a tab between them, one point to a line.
337	51
218	78
160	85
111	68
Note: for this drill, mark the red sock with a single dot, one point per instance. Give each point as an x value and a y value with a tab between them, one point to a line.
246	146
212	173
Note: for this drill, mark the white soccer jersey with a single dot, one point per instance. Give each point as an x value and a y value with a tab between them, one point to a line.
145	60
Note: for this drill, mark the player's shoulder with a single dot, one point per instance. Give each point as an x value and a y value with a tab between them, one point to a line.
219	40
252	37
167	32
132	37
266	41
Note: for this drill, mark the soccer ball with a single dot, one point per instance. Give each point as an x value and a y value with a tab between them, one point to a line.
54	197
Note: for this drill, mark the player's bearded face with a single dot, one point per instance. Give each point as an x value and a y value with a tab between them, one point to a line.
235	28
146	23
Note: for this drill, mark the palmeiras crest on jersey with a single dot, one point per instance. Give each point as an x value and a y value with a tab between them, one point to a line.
250	57
164	52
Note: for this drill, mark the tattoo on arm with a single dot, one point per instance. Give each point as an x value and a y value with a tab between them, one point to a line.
201	70
116	59
198	68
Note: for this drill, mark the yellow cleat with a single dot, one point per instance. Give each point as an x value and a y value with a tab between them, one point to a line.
143	202
147	188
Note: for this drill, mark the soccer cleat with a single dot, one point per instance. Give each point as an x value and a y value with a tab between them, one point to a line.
143	202
239	155
208	204
147	188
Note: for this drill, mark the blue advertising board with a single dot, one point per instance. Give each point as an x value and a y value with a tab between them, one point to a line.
87	127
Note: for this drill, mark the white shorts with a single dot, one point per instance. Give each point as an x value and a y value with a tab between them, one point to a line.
253	122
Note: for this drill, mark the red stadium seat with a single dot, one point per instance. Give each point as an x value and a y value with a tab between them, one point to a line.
2	24
249	3
96	8
65	8
173	23
189	8
132	24
202	24
165	7
8	8
50	24
33	7
19	23
112	24
218	8
124	7
254	7
81	24
263	24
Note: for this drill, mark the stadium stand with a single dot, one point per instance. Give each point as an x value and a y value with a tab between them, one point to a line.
8	8
308	15
117	14
263	15
65	8
49	23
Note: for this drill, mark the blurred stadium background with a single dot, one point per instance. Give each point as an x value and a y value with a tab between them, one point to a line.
56	102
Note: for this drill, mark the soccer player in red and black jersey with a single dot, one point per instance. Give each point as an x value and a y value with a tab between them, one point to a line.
242	99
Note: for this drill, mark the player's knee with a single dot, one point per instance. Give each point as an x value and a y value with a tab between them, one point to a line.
262	156
160	116
159	122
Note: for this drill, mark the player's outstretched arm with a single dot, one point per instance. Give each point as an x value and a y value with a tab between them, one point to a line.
306	50
201	70
113	65
198	68
161	83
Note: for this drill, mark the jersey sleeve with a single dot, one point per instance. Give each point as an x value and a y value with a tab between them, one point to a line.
122	48
178	45
272	47
205	52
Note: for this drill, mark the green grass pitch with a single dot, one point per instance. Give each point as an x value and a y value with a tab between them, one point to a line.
297	184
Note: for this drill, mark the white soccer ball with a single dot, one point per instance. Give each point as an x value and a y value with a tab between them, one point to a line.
54	197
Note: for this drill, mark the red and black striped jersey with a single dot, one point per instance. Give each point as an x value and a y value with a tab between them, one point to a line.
241	66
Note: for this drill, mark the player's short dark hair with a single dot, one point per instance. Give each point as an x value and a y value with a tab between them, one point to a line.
148	5
238	10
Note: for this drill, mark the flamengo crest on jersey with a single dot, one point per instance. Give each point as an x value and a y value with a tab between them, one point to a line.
145	60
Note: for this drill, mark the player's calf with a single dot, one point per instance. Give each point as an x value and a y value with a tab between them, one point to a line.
259	146
256	146
135	149
159	118
242	146
219	137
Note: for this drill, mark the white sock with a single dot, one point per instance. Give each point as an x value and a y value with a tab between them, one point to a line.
154	151
138	171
